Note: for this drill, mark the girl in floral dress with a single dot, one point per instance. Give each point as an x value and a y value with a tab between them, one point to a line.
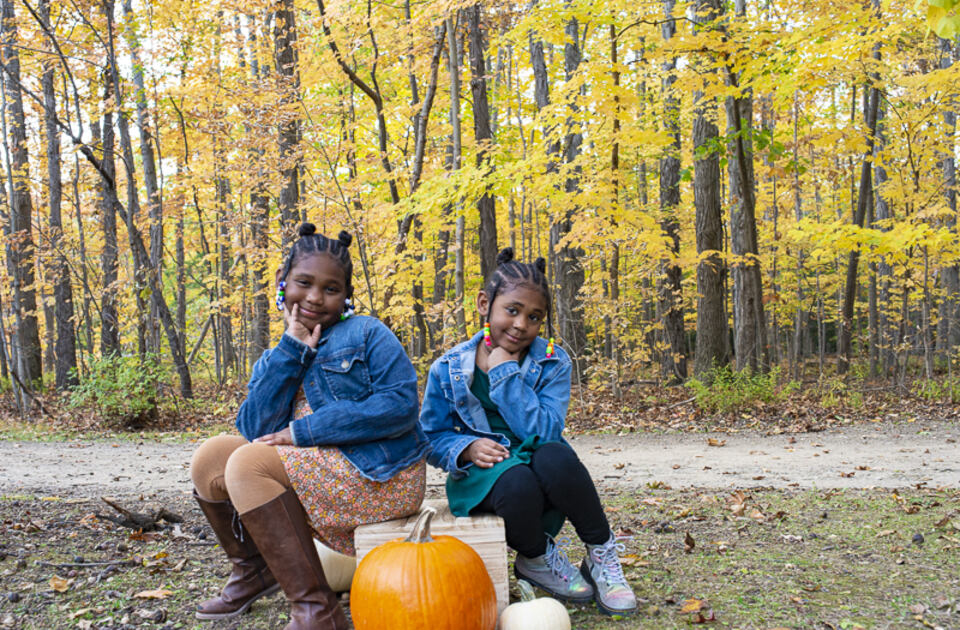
329	441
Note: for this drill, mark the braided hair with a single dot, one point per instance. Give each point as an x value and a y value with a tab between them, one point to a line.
311	242
511	273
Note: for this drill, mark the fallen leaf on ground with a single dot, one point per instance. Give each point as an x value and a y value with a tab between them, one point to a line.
159	593
691	606
688	543
59	584
715	442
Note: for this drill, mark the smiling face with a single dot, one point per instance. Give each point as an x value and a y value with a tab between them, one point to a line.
316	283
515	316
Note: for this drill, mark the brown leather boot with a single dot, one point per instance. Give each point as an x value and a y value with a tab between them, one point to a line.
280	528
250	578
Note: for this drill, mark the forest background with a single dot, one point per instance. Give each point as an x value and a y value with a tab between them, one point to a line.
751	194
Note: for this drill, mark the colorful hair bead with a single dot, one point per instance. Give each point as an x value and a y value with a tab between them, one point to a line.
280	295
347	309
550	348
486	334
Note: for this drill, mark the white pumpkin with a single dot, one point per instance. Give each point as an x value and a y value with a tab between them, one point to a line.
337	567
531	613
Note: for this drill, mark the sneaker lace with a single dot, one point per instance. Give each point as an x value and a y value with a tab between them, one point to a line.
556	558
607	557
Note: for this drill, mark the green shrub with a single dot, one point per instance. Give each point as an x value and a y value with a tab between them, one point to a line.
124	390
727	390
947	390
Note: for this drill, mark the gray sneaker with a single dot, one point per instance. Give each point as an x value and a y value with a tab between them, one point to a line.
602	570
554	573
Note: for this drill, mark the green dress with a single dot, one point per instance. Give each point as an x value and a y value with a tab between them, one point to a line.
468	492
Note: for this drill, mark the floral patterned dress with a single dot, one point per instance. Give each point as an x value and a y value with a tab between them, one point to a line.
337	498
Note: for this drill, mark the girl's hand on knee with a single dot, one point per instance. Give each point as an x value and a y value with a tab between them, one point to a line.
296	328
484	453
281	438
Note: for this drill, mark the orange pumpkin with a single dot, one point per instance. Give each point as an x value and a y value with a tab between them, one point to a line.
423	583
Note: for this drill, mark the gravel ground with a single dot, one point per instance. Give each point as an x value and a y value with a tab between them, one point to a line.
865	456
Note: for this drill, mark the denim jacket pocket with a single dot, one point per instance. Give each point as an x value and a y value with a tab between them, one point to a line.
347	376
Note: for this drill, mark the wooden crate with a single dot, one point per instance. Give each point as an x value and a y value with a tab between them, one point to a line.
483	533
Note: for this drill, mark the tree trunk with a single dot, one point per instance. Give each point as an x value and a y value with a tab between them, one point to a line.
865	194
567	266
65	349
612	320
148	162
20	246
285	40
259	339
453	65
225	276
484	138
950	306
140	263
673	361
109	325
147	278
800	322
84	272
750	337
711	348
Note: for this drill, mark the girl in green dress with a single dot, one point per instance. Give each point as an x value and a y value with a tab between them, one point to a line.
494	411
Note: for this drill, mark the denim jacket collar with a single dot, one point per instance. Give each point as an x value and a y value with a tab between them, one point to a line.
462	360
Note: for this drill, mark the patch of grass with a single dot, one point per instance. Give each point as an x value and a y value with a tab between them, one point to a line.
761	559
18	431
789	559
725	390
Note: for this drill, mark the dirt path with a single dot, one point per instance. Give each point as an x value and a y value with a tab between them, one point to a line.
882	455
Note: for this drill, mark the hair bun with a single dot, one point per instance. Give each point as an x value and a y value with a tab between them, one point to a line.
345	238
307	229
541	265
505	256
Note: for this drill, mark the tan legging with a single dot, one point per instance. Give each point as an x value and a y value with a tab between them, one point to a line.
248	473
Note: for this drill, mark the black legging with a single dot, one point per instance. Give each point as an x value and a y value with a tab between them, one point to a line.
555	478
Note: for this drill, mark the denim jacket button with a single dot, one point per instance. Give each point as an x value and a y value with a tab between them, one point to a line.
457	429
460	403
345	364
457	377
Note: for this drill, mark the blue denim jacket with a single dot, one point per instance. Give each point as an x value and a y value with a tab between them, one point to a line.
532	398
361	386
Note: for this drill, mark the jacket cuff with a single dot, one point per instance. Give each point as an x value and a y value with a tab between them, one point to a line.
296	349
502	372
300	433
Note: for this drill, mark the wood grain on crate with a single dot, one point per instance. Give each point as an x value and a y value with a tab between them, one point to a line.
483	533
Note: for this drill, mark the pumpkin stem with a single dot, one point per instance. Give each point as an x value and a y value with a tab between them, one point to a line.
526	591
421	529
